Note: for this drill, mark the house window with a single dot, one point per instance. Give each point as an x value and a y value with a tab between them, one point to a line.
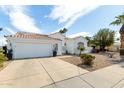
81	44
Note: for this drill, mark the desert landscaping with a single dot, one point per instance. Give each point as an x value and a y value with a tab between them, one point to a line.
102	60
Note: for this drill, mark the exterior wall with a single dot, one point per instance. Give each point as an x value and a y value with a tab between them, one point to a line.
61	37
34	45
10	45
72	45
76	41
58	36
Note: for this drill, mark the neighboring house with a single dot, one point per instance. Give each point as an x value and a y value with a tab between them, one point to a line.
115	47
29	45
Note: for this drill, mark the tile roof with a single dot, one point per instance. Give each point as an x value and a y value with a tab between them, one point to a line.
28	35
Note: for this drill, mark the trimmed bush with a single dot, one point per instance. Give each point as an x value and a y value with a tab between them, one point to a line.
2	58
87	59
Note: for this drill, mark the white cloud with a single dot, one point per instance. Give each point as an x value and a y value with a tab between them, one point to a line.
70	13
84	34
20	19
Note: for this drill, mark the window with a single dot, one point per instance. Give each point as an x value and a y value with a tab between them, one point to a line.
81	44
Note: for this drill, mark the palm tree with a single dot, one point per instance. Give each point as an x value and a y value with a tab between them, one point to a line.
64	30
103	38
120	21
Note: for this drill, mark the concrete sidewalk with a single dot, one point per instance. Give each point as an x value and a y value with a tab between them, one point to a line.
107	77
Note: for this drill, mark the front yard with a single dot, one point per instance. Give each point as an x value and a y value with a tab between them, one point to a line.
101	60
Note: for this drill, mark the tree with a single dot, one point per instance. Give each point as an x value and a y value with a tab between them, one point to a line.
81	49
64	30
119	20
103	38
89	40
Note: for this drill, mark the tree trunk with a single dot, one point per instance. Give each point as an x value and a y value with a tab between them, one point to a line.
122	36
102	48
122	43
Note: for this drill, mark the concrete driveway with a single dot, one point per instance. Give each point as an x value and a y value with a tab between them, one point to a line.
40	72
55	73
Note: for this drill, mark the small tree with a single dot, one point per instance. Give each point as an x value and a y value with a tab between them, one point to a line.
2	58
81	49
103	38
64	30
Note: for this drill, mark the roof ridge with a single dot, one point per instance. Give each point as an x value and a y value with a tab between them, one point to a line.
31	35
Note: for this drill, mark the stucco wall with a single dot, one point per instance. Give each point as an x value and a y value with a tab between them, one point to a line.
72	45
61	37
58	36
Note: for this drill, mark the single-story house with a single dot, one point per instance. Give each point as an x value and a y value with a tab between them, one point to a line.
30	45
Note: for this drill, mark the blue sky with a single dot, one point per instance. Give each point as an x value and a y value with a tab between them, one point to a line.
45	19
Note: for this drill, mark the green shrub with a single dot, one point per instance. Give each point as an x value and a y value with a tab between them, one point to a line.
87	59
2	58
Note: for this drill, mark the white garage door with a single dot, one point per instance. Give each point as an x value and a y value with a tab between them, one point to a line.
32	50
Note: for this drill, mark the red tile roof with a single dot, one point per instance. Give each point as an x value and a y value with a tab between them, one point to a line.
31	36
